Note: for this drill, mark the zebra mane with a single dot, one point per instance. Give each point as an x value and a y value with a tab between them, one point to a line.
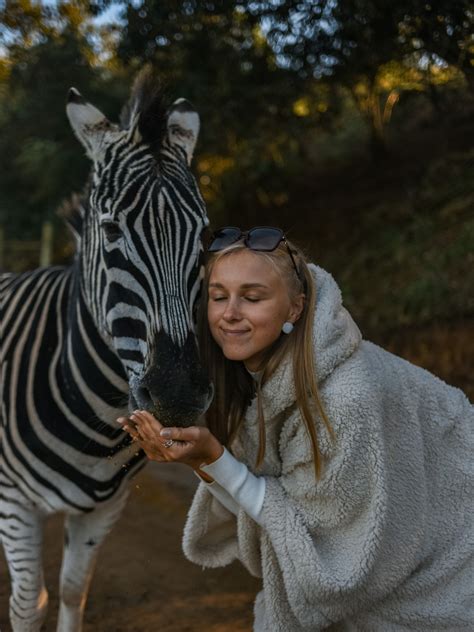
147	103
72	211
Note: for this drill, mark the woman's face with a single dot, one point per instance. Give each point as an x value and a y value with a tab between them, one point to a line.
248	304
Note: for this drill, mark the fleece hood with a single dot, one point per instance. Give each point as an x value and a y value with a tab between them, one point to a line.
335	338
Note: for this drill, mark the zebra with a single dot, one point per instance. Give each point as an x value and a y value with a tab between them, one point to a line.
86	343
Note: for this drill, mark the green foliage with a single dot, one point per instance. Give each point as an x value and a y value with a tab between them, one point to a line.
213	53
353	39
413	264
291	94
358	43
40	160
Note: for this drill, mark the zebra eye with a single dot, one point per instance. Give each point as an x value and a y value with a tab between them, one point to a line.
112	230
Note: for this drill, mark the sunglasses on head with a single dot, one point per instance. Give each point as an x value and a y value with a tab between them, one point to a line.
261	238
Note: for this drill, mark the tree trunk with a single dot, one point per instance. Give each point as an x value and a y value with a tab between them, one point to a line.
378	140
369	106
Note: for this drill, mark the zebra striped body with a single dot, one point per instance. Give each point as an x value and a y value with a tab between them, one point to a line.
61	386
84	344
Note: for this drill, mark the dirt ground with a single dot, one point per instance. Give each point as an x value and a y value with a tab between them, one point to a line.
143	581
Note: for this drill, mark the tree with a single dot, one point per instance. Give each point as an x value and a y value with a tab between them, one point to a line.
216	54
40	160
442	30
353	42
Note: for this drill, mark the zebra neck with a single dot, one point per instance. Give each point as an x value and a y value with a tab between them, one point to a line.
92	373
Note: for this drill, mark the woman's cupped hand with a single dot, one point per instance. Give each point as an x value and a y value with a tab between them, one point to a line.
194	446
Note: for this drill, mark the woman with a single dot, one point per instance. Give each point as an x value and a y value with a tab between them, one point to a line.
336	471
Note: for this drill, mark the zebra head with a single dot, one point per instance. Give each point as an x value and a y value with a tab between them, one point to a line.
140	252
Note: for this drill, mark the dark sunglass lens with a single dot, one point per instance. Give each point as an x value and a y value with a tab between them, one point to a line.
223	238
264	238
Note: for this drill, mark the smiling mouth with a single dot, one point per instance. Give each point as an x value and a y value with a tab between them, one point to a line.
236	332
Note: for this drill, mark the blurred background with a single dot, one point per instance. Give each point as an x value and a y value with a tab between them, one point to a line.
348	123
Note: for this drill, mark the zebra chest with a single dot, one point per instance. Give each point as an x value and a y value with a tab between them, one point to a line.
60	445
67	471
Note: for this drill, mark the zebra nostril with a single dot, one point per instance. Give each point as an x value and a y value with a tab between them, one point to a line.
143	397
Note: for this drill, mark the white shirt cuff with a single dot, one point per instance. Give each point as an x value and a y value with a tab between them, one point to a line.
221	495
234	477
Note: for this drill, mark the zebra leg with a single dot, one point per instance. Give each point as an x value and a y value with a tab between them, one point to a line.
22	539
84	533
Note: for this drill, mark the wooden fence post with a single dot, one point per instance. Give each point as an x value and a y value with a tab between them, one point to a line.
46	250
2	247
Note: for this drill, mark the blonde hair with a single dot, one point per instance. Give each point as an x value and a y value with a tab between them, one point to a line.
235	387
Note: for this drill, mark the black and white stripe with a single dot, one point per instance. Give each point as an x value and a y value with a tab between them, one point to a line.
83	344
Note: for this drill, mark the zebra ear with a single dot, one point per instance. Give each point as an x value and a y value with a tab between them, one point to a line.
88	123
183	126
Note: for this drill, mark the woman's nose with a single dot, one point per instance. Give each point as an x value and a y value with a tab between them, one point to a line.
232	311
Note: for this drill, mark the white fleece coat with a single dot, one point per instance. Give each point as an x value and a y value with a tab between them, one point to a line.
383	542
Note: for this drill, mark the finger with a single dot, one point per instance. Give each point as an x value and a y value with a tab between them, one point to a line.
178	451
129	427
123	420
148	416
146	420
192	434
141	424
132	431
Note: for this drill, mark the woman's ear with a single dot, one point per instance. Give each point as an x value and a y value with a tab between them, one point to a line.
297	307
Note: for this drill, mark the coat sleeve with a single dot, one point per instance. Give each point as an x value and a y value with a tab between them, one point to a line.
347	540
213	536
210	532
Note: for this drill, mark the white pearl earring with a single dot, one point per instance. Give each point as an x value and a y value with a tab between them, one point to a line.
287	327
